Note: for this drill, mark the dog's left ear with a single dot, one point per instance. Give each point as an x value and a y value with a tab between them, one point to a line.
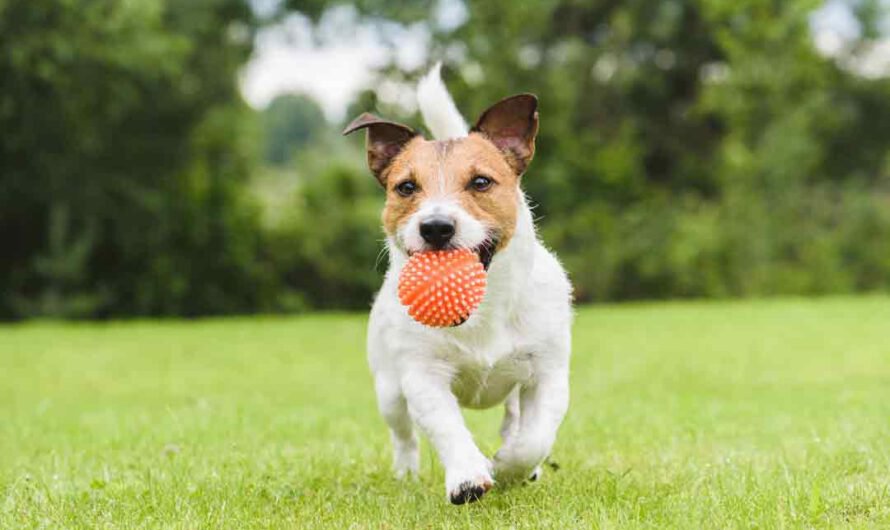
511	125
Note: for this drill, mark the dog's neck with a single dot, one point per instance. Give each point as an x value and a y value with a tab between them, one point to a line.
512	265
507	276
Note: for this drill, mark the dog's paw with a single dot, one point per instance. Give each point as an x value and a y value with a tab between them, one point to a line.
512	475
406	463
463	486
538	472
520	460
509	470
406	473
469	492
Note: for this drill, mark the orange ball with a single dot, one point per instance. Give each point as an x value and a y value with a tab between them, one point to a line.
442	288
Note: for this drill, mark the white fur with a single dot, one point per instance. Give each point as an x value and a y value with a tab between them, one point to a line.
469	232
439	112
514	347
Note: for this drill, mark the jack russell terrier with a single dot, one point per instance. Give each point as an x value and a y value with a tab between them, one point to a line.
462	190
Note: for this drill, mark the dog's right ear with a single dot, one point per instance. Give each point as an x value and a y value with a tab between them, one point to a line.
384	141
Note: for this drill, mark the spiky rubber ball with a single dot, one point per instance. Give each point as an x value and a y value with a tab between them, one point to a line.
442	288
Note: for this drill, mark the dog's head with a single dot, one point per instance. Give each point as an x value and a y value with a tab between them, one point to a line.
459	193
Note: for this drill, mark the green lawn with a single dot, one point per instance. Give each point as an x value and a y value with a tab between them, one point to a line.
744	414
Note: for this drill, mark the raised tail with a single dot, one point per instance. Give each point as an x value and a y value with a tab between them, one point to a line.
437	108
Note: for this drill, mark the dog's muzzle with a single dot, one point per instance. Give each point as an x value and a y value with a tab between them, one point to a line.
437	231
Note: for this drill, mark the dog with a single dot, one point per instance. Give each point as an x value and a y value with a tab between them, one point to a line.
462	190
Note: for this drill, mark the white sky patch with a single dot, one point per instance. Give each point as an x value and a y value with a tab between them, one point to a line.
331	63
833	26
836	31
335	61
872	61
265	8
450	14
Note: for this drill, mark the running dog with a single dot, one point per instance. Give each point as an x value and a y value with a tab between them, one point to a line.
462	190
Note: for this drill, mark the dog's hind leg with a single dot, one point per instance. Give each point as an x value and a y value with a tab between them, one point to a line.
391	402
510	427
510	423
542	406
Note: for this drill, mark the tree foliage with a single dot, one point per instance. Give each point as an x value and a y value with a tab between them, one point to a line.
290	122
123	158
687	147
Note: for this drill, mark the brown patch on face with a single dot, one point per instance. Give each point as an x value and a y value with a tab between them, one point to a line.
404	168
496	207
447	168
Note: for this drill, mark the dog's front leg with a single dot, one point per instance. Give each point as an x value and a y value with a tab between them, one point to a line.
542	405
391	402
435	410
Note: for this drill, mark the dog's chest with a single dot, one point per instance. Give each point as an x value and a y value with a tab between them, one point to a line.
488	368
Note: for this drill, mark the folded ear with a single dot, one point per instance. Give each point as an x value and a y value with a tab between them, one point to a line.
384	141
511	125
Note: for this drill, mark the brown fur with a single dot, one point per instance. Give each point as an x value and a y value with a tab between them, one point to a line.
500	147
447	168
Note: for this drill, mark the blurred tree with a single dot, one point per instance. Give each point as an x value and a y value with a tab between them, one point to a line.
126	117
328	245
289	123
687	148
63	271
681	141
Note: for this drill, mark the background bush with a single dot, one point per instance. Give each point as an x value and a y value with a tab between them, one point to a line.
124	159
688	148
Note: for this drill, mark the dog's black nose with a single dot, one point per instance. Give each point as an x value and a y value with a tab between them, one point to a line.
437	231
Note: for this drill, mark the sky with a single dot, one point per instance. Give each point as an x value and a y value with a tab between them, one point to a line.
335	60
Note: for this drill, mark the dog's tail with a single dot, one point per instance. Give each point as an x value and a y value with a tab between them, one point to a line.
437	108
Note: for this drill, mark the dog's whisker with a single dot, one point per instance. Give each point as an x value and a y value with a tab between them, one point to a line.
384	251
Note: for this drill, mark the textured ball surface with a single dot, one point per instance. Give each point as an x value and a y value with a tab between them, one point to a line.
442	288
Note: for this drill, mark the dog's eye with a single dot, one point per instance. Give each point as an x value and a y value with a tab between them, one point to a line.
480	183
406	188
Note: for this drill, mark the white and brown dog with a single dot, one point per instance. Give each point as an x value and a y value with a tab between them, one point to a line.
462	190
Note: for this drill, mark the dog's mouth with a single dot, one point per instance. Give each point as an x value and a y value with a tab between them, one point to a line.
485	251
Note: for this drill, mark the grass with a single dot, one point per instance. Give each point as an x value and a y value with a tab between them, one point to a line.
768	414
